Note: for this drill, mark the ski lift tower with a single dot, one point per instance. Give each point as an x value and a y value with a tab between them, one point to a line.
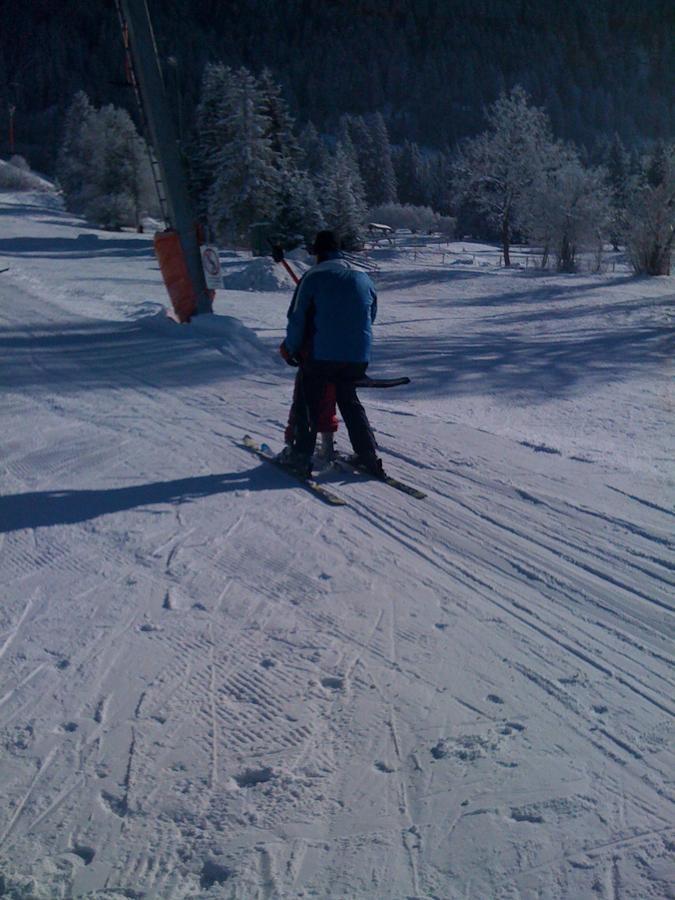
177	248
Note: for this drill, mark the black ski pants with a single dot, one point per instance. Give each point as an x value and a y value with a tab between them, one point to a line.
314	377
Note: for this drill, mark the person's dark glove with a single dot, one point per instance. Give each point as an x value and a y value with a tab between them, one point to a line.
288	357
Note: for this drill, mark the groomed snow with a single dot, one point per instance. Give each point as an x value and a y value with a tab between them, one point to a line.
213	685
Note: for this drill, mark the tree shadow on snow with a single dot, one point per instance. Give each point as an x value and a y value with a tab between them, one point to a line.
84	246
42	509
506	362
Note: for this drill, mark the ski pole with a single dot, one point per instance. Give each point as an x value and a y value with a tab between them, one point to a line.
290	271
278	256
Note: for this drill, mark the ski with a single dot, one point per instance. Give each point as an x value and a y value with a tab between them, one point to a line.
367	382
262	451
344	462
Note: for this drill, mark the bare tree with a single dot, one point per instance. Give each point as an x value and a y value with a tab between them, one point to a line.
566	209
651	215
494	170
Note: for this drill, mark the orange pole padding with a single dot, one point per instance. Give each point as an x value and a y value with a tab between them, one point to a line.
175	273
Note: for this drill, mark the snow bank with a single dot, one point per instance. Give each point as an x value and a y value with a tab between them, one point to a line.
14	178
234	340
261	274
239	344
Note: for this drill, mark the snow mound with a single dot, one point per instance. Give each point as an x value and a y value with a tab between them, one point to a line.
260	274
237	343
13	178
300	255
231	338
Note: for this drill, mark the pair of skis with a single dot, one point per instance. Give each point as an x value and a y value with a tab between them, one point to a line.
340	461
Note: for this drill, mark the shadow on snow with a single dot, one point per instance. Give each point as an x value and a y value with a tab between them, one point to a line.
536	367
42	509
94	355
84	246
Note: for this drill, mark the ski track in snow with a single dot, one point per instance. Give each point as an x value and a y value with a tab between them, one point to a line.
211	684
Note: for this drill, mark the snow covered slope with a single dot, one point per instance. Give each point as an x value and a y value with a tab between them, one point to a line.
213	685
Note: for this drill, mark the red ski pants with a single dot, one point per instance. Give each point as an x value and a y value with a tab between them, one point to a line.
327	419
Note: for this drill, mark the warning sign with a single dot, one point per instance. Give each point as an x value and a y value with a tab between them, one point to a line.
211	266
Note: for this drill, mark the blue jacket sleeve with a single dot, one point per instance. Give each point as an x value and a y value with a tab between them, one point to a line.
373	308
293	299
297	317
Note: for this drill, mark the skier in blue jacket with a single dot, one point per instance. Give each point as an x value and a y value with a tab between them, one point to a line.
334	306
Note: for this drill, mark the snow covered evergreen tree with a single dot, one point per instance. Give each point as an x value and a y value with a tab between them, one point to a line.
342	195
74	161
280	125
494	170
121	180
313	149
246	185
618	179
104	169
382	175
210	131
298	215
370	141
439	182
411	175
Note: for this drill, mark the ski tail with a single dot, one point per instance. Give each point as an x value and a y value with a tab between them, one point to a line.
367	382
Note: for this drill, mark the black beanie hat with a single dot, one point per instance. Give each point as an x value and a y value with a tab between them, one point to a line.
325	242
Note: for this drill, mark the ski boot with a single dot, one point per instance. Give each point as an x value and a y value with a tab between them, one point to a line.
297	462
370	464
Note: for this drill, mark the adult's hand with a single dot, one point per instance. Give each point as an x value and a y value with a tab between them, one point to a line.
289	358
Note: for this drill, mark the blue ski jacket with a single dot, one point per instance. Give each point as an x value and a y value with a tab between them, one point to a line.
333	308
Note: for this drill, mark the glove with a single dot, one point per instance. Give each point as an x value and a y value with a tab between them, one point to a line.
288	357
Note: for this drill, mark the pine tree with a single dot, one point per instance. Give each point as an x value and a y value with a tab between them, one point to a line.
210	132
657	166
246	185
382	175
121	187
344	206
439	182
74	160
298	216
313	150
618	180
280	125
411	175
104	169
373	155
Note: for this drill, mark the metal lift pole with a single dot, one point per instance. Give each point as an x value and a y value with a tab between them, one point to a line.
165	142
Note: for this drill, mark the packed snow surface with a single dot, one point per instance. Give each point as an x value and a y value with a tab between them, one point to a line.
214	685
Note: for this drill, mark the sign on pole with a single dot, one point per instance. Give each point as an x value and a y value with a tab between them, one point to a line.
211	264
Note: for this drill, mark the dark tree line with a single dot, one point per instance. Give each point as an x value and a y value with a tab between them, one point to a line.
430	68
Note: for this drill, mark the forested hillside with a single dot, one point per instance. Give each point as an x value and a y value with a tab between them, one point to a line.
429	67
